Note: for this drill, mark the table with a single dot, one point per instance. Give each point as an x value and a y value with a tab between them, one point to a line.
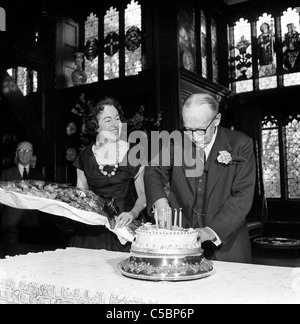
81	276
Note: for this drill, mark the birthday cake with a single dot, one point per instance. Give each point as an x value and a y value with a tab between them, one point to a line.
166	254
161	241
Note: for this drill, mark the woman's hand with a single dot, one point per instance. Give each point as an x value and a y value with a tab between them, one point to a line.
124	219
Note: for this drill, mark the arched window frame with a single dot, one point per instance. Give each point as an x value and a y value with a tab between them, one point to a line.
123	37
280	74
287	171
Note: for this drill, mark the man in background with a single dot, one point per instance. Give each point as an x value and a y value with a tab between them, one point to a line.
20	225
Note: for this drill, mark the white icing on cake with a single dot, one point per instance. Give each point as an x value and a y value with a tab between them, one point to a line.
150	238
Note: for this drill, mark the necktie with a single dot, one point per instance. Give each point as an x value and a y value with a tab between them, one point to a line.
25	174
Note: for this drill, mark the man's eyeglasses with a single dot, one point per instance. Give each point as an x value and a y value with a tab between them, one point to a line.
23	152
198	131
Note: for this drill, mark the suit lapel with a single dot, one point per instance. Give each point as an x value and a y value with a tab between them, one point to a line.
215	168
16	173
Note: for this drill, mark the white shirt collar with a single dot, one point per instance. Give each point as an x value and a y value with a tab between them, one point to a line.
208	148
21	168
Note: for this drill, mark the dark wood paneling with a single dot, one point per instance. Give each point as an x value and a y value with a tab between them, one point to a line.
18	118
66	45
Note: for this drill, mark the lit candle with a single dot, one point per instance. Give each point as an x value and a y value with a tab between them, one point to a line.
180	218
169	218
164	218
156	218
175	218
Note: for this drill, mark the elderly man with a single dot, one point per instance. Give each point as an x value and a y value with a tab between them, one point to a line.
23	169
216	200
16	222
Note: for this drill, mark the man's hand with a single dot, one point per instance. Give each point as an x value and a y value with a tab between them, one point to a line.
205	234
162	206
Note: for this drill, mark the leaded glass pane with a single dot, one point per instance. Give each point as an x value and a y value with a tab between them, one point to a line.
111	44
271	157
243	71
291	79
23	80
27	80
244	86
34	81
214	44
293	157
91	40
203	44
291	46
186	37
133	39
267	64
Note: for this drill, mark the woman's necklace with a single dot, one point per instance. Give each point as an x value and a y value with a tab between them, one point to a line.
101	166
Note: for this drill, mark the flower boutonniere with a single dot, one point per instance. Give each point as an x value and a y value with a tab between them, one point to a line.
226	158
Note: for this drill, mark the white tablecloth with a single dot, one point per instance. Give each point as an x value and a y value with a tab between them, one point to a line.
92	276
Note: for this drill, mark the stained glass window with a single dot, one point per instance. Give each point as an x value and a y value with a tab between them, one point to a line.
271	157
290	27
26	80
129	58
111	45
91	48
267	64
186	37
292	146
214	44
243	69
198	41
133	39
285	48
203	44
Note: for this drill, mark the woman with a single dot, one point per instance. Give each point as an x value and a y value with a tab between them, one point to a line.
101	168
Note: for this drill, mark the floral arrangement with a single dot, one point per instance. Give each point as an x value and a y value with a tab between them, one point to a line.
225	157
141	121
81	110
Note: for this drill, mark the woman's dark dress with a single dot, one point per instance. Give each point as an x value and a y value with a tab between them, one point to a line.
120	186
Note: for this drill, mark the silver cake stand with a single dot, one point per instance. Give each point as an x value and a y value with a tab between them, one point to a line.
166	268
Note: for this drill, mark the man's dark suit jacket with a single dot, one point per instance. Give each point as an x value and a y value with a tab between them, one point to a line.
13	174
228	195
13	218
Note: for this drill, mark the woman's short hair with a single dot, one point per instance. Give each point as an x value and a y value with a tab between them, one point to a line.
91	124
